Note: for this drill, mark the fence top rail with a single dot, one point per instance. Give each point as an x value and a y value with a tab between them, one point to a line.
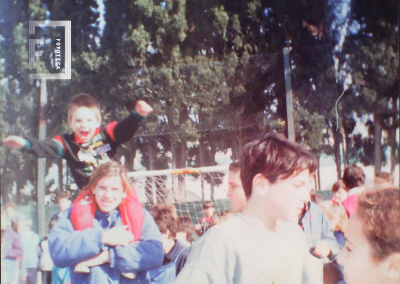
178	171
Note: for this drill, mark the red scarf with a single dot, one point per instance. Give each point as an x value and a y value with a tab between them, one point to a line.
84	209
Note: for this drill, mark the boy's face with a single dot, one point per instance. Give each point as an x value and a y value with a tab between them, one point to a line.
286	197
236	195
210	211
64	204
84	123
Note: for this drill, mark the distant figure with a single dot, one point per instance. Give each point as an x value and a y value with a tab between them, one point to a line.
64	203
383	180
10	209
185	231
206	221
235	193
354	180
339	191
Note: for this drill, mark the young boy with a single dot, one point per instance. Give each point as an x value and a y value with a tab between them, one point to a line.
205	222
88	146
263	244
354	180
64	203
185	231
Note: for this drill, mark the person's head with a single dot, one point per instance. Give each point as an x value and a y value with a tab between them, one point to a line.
339	191
84	116
170	207
353	176
109	184
167	225
209	208
63	200
336	214
185	230
221	217
235	193
383	180
24	225
10	209
278	173
372	251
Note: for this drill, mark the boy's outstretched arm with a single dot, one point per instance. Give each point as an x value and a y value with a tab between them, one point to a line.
125	129
48	148
15	142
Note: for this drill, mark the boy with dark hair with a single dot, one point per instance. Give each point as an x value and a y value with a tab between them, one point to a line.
235	193
185	230
263	244
339	191
353	179
64	203
89	145
175	253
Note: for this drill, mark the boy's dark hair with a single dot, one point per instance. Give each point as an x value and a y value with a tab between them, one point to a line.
185	225
274	157
208	204
63	194
165	220
234	166
83	100
337	185
353	176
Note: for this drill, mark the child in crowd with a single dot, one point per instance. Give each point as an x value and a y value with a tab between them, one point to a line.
235	193
175	253
30	244
354	180
221	217
108	232
10	209
185	231
333	272
64	203
263	244
205	222
11	249
46	264
89	145
372	251
339	191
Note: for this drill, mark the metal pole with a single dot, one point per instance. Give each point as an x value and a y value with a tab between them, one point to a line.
289	96
41	210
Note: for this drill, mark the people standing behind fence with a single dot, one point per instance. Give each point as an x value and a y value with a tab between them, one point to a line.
354	180
89	145
46	264
63	202
372	251
333	272
235	193
11	249
31	251
339	191
107	235
320	240
263	244
206	221
185	231
175	253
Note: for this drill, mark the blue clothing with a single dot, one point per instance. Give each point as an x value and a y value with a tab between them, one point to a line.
317	228
69	247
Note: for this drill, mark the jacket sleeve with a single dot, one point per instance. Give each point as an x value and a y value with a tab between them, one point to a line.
124	130
143	255
48	148
69	247
15	250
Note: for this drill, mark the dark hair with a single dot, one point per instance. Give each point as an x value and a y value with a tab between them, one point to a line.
274	157
338	185
208	204
353	176
234	166
185	225
63	194
165	220
83	100
379	211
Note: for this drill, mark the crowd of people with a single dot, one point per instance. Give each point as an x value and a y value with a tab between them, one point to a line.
279	230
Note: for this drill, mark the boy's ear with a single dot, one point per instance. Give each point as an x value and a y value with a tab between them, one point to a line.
260	185
391	266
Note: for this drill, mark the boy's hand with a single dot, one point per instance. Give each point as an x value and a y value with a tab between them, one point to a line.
15	142
322	249
117	236
143	108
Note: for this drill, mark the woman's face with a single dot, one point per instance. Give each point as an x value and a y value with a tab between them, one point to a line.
109	193
356	258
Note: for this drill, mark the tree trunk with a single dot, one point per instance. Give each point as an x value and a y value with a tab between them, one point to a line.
60	175
202	164
392	136
336	148
377	142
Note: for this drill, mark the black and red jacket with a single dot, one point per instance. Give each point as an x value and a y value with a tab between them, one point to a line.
83	158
